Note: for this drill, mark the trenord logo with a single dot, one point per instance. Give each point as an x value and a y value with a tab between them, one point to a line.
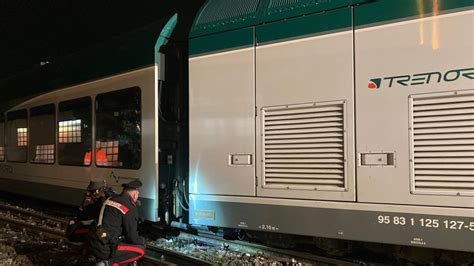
374	83
421	78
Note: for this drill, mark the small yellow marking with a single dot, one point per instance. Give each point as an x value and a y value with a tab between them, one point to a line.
434	28
421	11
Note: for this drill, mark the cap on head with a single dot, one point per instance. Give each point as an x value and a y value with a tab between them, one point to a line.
94	185
134	184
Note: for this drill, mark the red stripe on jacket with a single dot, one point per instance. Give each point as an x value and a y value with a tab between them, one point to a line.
138	250
123	209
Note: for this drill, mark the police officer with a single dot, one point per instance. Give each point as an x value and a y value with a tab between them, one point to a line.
116	240
96	193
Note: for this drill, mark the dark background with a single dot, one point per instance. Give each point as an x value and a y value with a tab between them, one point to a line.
35	31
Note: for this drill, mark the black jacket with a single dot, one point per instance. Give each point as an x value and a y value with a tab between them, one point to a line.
90	209
121	219
90	206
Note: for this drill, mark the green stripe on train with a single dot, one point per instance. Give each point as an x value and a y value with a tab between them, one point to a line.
222	41
336	20
223	15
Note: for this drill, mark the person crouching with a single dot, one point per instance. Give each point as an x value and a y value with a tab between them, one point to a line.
96	193
116	240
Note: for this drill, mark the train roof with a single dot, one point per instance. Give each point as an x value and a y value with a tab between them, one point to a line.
217	16
130	51
224	15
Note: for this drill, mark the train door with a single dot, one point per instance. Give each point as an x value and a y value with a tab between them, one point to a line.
222	116
305	102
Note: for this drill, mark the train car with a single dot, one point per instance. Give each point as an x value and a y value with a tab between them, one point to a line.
99	121
341	119
338	119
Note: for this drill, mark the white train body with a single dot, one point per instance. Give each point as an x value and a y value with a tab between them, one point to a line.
339	119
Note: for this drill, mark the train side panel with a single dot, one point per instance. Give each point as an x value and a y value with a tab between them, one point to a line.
305	103
415	110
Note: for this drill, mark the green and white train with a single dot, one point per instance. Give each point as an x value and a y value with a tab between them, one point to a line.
344	119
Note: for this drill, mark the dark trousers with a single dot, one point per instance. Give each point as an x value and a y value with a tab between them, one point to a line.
126	253
78	233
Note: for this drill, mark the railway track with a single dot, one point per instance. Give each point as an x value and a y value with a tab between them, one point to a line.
52	227
36	214
160	256
212	250
31	220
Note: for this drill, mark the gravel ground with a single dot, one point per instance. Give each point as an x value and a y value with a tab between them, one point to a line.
26	248
221	255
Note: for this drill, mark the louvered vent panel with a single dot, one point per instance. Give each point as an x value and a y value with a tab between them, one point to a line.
303	147
443	144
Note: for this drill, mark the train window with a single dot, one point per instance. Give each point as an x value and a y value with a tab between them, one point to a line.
22	136
70	131
75	132
42	134
110	150
118	129
2	138
17	136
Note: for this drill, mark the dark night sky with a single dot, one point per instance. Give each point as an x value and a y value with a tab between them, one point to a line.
33	31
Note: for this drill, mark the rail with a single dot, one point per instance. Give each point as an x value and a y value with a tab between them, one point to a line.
21	218
204	247
277	252
160	256
32	213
